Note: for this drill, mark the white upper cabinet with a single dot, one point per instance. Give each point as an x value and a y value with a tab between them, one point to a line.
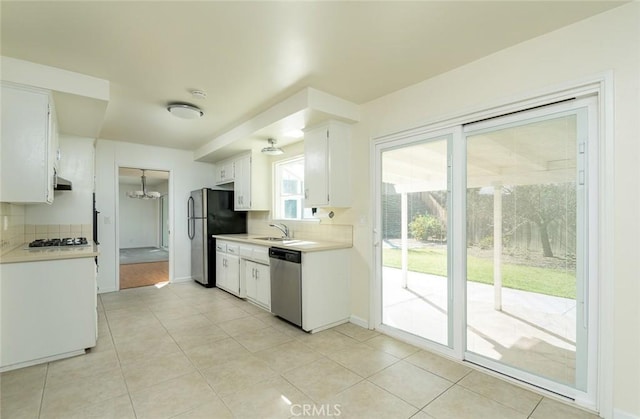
225	172
27	145
327	173
252	184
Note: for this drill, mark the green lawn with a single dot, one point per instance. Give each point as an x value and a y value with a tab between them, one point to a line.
528	278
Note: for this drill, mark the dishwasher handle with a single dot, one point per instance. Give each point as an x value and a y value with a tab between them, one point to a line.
287	255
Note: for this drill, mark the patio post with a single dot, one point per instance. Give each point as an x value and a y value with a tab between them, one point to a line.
497	246
404	235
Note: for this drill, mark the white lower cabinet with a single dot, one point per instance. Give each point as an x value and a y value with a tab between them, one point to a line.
228	267
256	276
325	289
48	311
258	283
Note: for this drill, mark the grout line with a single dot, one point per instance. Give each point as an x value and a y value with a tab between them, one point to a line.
115	349
439	395
535	407
44	386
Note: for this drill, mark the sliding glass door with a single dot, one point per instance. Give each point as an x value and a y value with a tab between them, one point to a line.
486	243
526	237
414	231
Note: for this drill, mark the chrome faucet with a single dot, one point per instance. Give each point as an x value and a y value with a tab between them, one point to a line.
283	228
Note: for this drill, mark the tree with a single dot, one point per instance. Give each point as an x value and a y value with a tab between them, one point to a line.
546	205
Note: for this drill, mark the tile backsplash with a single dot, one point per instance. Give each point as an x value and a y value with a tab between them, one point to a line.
53	231
14	232
305	230
11	226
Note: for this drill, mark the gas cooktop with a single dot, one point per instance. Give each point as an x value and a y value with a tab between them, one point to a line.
75	241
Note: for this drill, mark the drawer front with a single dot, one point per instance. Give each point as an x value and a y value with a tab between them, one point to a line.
246	252
261	254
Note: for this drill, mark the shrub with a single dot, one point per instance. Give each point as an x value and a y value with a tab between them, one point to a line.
486	243
426	227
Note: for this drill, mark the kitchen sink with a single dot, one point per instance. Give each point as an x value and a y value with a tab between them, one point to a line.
284	241
273	239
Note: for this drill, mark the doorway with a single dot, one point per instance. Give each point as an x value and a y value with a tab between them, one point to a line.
143	227
487	240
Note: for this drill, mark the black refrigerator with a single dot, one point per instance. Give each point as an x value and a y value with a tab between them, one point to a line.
209	212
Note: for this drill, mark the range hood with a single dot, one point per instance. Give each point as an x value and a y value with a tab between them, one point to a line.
61	184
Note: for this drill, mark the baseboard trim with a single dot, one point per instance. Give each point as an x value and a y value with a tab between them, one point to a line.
183	279
359	321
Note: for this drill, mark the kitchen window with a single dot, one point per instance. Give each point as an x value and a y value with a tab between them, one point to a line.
289	190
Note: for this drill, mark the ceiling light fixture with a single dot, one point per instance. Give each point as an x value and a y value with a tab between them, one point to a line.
185	110
143	194
272	150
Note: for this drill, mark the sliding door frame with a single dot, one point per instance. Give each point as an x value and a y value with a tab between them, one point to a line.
410	138
599	396
586	298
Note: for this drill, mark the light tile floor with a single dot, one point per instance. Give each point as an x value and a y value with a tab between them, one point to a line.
183	351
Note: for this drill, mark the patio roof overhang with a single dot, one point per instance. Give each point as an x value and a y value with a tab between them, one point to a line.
539	153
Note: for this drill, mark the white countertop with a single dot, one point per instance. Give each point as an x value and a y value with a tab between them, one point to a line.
25	254
299	244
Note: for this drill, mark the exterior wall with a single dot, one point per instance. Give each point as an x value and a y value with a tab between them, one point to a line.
609	42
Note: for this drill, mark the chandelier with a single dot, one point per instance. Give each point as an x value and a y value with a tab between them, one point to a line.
143	194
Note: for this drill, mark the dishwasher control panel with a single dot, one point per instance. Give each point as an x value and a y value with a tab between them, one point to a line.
292	256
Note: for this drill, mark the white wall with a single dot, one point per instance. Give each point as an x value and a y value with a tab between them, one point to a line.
139	220
610	41
75	206
185	176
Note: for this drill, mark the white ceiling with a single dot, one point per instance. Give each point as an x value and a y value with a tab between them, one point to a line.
249	56
133	176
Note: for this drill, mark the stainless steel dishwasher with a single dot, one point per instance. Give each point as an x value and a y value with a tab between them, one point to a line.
286	284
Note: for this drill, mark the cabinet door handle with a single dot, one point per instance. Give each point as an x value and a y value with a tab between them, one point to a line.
306	194
257	274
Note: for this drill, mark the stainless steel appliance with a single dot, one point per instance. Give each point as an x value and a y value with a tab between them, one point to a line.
286	284
209	212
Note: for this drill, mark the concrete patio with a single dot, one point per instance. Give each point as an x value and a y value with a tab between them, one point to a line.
533	332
